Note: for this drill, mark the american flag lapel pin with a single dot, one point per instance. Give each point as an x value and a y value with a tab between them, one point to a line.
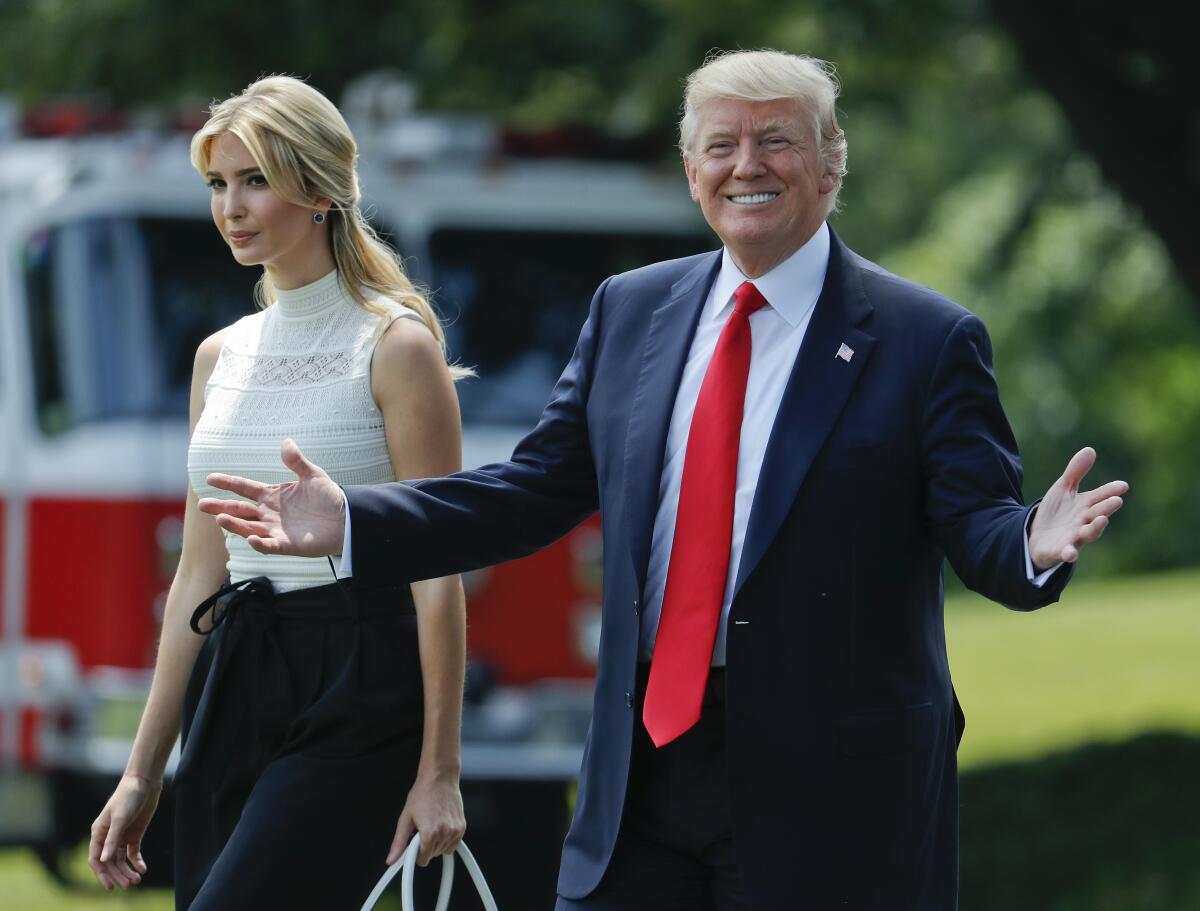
845	352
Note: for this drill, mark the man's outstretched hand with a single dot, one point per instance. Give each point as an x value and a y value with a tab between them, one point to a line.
1068	518
304	517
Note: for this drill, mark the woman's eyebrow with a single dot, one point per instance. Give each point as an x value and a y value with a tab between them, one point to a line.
242	173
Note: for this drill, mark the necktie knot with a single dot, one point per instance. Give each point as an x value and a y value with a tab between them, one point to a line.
747	299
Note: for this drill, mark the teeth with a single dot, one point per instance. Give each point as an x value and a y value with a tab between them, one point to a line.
753	199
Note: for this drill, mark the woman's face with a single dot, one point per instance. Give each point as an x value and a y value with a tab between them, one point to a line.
260	227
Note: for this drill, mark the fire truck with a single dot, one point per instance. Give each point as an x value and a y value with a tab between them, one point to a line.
111	273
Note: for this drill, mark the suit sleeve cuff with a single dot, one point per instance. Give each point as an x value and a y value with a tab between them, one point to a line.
1038	579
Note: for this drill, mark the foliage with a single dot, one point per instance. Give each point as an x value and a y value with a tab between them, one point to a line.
1107	827
963	174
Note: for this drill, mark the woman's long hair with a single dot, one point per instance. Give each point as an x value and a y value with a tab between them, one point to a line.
305	150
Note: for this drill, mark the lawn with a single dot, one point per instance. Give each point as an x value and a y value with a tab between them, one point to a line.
1117	658
1114	658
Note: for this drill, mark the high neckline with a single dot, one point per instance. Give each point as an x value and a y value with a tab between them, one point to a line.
312	298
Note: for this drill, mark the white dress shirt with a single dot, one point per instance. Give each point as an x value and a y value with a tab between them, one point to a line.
776	331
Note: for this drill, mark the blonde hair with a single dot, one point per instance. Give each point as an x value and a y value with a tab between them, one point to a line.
767	75
305	150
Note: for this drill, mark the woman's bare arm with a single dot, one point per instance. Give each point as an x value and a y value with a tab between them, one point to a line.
117	832
424	434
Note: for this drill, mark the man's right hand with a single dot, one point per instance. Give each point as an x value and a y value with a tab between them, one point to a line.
305	517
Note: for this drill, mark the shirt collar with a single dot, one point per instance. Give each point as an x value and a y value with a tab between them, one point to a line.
791	288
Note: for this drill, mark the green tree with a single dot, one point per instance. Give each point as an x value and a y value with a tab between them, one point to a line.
965	174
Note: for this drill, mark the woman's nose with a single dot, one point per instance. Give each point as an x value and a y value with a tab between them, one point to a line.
232	204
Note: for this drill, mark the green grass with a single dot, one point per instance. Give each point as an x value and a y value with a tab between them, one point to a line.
1114	658
25	887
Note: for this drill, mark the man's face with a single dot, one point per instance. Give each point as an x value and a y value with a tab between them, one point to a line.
753	168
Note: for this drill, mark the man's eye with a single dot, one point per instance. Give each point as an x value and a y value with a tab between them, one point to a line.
777	142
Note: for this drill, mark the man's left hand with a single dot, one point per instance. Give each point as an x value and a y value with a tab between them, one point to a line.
1068	518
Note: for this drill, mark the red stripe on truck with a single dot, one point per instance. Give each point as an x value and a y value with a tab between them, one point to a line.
94	575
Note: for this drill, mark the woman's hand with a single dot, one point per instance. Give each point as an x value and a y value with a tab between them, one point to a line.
435	809
115	850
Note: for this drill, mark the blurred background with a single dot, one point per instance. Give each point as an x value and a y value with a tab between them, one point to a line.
1037	161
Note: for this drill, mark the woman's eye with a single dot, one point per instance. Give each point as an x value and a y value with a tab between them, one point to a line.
215	184
256	180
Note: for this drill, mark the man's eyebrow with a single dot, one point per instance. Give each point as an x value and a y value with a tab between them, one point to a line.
242	173
777	126
719	131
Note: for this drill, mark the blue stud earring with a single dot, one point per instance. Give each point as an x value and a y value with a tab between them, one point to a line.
319	217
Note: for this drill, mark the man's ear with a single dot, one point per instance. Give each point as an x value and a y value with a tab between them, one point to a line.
828	183
689	168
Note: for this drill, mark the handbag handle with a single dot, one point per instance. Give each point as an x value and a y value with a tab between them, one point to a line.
408	862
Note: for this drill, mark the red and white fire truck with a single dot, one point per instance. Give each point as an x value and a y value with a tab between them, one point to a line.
111	273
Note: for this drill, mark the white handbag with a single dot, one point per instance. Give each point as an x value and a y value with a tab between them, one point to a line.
408	863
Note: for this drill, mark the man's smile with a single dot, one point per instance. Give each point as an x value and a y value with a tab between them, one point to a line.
752	199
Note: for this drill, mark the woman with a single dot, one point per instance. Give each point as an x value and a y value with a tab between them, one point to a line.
313	716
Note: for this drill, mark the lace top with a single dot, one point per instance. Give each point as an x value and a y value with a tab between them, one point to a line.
300	368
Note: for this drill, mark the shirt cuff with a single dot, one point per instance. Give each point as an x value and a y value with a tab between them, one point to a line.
1038	580
345	570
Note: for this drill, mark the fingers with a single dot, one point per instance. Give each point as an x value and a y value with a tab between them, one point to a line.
1081	463
112	862
1104	508
134	855
243	487
294	459
1103	492
1093	530
242	527
257	535
404	834
1087	534
240	509
268	545
440	839
95	845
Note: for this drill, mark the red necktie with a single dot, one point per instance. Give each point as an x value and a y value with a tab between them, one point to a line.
699	564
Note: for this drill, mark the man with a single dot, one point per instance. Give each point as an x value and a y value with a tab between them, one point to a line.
783	441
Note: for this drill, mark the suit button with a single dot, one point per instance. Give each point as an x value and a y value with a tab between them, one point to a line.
636	609
629	700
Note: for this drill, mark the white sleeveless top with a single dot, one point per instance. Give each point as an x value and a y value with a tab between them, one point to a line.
300	368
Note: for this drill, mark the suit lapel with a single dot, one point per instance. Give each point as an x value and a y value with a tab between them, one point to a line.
816	393
668	341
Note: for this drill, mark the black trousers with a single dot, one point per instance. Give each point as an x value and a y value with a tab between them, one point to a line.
301	735
674	851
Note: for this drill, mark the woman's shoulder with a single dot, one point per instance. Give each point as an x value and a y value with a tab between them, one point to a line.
208	351
407	356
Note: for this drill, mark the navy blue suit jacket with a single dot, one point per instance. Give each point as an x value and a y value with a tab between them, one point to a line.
842	722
